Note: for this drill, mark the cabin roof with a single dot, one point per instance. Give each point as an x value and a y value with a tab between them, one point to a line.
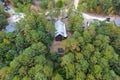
10	28
117	22
60	28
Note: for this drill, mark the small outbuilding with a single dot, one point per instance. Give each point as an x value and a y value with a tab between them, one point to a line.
60	33
117	22
60	51
10	28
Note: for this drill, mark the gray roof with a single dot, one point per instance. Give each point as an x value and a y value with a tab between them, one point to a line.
1	3
10	28
117	22
60	28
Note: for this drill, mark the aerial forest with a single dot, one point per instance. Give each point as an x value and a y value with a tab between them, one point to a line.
91	53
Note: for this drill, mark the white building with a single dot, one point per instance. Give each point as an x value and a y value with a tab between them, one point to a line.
117	22
60	33
10	28
16	18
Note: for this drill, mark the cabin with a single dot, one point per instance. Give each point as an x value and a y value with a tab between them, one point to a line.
10	27
60	33
117	22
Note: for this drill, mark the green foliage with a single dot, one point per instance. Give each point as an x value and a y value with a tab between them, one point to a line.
25	52
97	55
75	23
10	55
55	56
100	6
67	59
82	7
59	3
3	71
29	60
3	18
21	2
44	4
87	37
57	77
91	54
80	76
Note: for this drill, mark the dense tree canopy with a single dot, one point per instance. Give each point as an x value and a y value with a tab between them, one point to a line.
91	53
101	6
3	17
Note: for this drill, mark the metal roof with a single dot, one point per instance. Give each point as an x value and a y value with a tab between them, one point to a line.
60	28
10	28
117	22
